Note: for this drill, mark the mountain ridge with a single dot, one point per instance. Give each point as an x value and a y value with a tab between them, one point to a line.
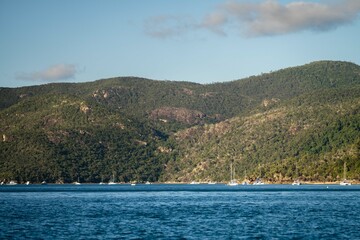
131	127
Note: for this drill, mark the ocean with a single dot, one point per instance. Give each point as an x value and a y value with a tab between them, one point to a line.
179	211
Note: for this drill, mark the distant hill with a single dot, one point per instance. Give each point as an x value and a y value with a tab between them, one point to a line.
296	122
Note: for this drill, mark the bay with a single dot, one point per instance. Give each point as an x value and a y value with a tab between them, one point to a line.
180	211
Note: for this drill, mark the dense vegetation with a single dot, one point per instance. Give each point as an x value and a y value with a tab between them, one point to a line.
64	139
309	138
297	122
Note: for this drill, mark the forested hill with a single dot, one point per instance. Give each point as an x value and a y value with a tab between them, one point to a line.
141	96
135	129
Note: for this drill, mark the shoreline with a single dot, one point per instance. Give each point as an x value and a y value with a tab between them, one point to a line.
183	183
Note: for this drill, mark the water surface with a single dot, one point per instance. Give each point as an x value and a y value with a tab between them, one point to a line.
179	212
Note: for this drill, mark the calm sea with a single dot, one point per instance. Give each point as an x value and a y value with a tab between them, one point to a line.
179	212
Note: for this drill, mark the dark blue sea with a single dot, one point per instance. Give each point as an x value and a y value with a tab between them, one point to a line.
161	211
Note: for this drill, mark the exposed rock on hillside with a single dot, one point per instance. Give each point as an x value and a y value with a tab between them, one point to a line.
182	115
84	108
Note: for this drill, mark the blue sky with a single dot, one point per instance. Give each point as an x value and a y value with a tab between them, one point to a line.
202	41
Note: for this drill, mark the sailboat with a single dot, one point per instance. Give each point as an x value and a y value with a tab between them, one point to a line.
232	182
102	181
77	182
258	181
345	182
112	181
297	181
12	182
245	182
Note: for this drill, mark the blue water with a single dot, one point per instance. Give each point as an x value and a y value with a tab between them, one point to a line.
179	212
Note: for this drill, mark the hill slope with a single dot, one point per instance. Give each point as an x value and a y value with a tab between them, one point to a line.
308	137
128	128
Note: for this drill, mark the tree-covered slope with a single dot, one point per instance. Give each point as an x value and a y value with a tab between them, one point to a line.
138	129
309	137
60	138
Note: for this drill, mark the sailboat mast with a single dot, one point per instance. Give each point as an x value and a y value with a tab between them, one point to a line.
260	169
234	173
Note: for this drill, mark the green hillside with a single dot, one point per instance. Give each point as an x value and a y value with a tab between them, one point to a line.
60	138
300	121
309	137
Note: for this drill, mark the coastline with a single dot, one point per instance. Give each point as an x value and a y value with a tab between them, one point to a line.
353	182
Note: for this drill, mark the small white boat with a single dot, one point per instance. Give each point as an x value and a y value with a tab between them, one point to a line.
12	182
133	184
258	181
27	183
296	183
147	182
233	181
193	182
345	182
211	183
77	182
43	183
112	181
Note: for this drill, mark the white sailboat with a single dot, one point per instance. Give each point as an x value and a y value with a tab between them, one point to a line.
77	182
258	181
112	181
194	182
345	182
233	181
12	182
297	181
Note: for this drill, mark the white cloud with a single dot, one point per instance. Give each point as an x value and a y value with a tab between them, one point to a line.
53	73
271	18
165	26
264	18
214	21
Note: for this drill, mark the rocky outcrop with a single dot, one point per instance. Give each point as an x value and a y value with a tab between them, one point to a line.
84	108
269	102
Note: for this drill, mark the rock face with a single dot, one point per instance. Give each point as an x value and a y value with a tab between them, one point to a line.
182	115
269	102
84	108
